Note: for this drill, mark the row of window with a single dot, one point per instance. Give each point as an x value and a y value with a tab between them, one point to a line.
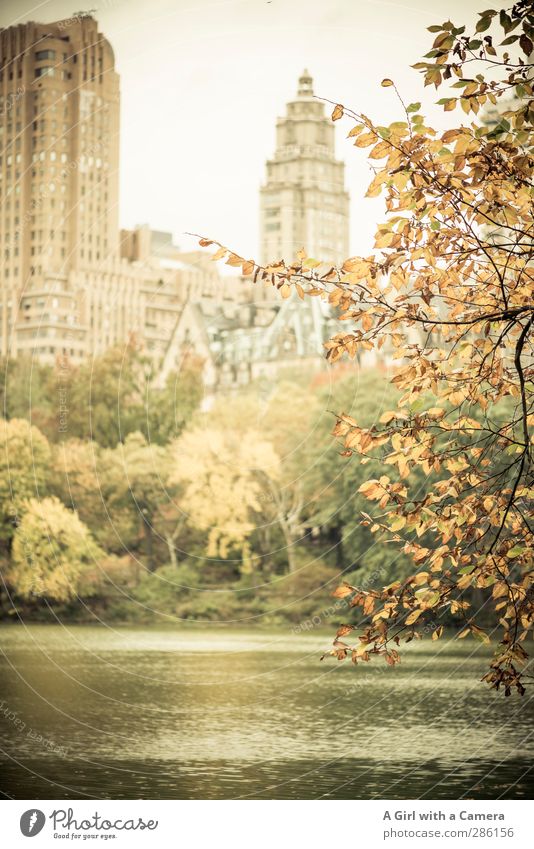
11	75
41	251
42	123
11	105
35	219
50	93
51	350
28	217
39	234
47	54
40	141
44	188
50	71
9	131
15	145
40	156
41	303
10	159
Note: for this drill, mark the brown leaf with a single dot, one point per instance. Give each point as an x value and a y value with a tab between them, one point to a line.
526	44
368	605
343	591
338	112
413	616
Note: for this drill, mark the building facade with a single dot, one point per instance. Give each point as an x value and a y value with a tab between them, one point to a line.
303	203
72	284
59	174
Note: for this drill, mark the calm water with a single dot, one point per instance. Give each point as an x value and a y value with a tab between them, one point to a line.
152	713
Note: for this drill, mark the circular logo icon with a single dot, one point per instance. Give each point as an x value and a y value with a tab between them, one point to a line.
31	822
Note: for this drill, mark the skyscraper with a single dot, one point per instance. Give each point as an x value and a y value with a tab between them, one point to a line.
71	284
59	174
303	203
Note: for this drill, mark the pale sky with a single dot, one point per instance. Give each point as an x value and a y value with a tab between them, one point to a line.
202	82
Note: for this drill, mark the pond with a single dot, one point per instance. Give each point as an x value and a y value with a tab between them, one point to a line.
211	713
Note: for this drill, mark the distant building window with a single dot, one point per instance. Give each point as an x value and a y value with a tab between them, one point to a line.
46	71
273	225
273	212
45	54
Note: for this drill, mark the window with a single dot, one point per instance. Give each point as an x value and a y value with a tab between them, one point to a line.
45	54
46	71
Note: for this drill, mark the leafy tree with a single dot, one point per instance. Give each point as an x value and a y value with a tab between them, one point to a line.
75	478
134	478
168	409
448	291
106	396
338	505
222	474
85	480
24	467
52	549
28	391
116	394
292	419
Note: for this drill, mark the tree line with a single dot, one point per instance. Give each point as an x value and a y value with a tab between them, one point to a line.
108	479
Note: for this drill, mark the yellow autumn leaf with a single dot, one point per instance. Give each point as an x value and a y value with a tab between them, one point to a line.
337	113
413	616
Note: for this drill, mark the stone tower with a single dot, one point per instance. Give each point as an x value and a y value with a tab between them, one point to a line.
303	203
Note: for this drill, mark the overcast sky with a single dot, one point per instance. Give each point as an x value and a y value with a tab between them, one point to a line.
202	82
